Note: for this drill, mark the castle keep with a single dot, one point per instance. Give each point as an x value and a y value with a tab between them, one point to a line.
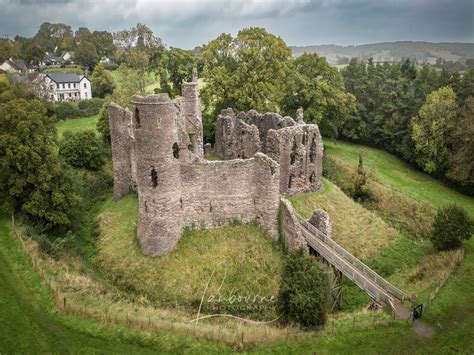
157	150
297	147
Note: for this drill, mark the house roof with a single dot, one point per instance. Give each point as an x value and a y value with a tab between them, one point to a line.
71	54
60	77
17	64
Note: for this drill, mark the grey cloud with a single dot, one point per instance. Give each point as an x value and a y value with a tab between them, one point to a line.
187	23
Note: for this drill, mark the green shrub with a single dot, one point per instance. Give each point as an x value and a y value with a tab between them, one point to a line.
90	107
304	290
66	110
452	225
359	188
82	150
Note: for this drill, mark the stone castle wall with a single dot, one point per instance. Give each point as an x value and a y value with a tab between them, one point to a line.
216	192
157	150
296	146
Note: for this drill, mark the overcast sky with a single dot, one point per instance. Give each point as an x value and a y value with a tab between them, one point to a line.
188	23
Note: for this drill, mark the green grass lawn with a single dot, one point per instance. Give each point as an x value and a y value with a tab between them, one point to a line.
77	124
78	71
397	174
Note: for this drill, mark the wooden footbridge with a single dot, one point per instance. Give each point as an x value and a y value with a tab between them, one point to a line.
368	280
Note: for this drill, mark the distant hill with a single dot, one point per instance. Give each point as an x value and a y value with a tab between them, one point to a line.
423	52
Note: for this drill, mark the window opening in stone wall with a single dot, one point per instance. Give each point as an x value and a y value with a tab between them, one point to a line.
154	178
137	118
290	181
293	152
312	151
176	150
191	141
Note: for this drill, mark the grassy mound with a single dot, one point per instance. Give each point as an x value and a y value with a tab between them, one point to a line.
358	230
232	262
401	210
77	124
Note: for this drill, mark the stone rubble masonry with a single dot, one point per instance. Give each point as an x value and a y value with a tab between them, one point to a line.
289	225
290	230
321	220
157	150
296	146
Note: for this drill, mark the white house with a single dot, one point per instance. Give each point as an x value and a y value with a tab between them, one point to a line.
68	56
59	86
16	66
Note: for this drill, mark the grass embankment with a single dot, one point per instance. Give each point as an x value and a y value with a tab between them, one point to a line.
30	323
242	260
360	231
70	70
399	175
77	125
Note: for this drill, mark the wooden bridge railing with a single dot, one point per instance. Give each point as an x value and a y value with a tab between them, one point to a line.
349	265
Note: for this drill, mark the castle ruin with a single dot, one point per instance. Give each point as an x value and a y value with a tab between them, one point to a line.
157	151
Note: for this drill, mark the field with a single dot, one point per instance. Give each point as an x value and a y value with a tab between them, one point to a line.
77	124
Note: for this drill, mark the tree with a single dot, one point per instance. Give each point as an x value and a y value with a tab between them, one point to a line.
460	161
82	150
81	34
34	54
8	49
130	82
431	128
318	88
102	81
103	42
304	290
51	35
86	54
244	72
175	67
452	225
32	179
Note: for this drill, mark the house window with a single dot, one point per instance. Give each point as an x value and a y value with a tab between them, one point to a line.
64	86
85	85
75	94
74	85
70	95
57	86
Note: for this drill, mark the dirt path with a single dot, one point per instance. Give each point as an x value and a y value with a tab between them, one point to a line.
420	327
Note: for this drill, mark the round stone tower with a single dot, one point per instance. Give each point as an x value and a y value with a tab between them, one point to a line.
155	129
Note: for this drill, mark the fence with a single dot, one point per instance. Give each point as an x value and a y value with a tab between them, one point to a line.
239	337
454	265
